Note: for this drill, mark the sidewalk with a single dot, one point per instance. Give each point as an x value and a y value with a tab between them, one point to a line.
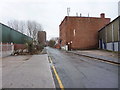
33	73
98	54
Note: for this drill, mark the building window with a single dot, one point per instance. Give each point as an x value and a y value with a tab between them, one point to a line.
74	32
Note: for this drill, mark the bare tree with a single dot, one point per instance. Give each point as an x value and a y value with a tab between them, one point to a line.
29	28
33	28
22	27
14	24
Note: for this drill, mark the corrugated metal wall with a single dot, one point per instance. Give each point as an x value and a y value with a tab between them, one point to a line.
9	35
109	36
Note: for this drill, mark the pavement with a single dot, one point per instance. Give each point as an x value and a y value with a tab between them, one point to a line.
98	54
32	72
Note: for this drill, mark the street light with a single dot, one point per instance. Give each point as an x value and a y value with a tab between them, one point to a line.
69	45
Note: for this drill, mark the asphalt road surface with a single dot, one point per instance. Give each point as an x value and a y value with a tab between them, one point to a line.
82	72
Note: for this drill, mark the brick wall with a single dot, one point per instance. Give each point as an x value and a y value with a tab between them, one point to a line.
6	49
81	32
19	46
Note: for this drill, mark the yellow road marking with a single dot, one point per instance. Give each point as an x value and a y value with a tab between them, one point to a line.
51	61
57	76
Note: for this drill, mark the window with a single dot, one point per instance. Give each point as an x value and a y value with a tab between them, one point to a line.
74	32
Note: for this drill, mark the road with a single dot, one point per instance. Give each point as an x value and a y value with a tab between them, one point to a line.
83	72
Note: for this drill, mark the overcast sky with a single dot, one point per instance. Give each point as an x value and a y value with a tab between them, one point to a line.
50	13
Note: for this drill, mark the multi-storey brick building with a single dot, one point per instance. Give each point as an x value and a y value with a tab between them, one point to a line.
81	32
42	37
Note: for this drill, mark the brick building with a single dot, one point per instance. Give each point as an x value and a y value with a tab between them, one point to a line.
42	37
81	32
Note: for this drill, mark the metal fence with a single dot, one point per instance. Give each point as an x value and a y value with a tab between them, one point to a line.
6	49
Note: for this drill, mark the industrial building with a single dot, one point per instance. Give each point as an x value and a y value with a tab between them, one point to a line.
9	35
42	37
11	40
109	36
78	32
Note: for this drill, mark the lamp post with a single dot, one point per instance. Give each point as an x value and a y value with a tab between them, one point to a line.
60	43
69	45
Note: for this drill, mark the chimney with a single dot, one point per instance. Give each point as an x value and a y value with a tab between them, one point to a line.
102	15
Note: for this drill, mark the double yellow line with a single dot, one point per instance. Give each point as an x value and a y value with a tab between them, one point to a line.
56	74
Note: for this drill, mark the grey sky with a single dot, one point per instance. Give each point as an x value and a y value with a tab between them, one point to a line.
50	13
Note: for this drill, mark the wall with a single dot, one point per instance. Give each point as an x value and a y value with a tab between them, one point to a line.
6	49
19	46
109	36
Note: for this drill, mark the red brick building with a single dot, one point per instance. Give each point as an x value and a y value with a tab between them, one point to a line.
81	32
42	37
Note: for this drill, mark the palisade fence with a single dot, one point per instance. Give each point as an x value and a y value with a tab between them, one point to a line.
6	49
